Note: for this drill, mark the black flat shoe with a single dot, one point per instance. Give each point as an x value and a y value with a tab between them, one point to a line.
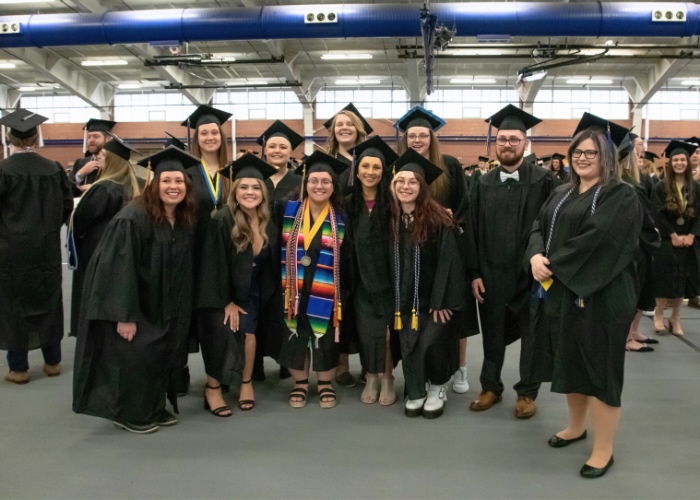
557	442
592	473
137	428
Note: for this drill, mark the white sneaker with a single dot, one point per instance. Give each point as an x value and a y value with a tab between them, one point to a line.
460	384
414	407
648	314
435	404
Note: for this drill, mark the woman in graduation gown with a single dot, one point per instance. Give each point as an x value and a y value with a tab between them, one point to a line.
313	230
35	201
115	188
278	142
239	283
557	168
450	191
428	285
583	249
132	336
677	209
367	268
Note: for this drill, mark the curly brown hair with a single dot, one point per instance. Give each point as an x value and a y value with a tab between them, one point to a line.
185	212
673	203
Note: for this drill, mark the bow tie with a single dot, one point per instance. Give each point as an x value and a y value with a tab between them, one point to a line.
505	176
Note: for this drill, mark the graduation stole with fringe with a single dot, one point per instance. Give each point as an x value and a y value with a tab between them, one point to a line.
324	301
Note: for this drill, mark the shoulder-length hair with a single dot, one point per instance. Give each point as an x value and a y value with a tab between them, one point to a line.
242	234
381	214
332	145
185	212
119	171
440	187
427	216
672	202
222	155
607	155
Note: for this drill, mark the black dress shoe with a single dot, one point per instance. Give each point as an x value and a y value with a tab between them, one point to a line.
591	472
557	442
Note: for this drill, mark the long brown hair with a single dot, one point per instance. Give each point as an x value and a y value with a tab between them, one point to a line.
673	203
332	145
185	212
222	155
242	234
427	216
119	171
440	187
628	166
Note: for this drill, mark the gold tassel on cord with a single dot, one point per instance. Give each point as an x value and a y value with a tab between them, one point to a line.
148	174
398	324
340	311
414	320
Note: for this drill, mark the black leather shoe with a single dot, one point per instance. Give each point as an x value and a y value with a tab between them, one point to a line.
557	442
591	472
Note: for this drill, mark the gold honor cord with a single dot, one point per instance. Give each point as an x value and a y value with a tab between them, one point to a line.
680	221
215	186
309	232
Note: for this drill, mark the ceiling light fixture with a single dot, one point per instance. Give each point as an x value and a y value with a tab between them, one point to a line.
105	62
345	57
691	83
27	89
475	52
25	1
357	82
589	81
5	65
132	86
247	82
473	81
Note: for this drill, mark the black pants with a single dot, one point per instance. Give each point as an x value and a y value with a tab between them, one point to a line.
18	361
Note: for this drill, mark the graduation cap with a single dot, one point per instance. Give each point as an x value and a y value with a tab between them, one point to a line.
558	156
23	123
512	118
376	148
279	129
616	133
633	136
350	107
321	162
650	156
546	158
97	125
693	140
679	147
249	166
119	148
204	115
411	161
174	141
484	158
418	116
244	151
625	147
171	159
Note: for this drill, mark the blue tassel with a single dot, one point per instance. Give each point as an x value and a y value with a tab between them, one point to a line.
488	140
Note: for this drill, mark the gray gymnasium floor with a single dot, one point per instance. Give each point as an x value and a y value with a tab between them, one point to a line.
357	450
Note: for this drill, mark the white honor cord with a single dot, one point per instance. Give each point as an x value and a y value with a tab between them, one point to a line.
478	316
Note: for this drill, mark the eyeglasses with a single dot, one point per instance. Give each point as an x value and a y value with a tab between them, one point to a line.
316	182
411	183
513	141
422	137
589	153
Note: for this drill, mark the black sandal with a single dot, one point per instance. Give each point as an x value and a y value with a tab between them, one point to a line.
246	404
299	394
326	397
218	412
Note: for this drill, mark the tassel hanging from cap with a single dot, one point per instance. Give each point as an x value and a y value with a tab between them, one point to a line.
41	138
353	168
488	139
189	139
85	140
303	182
148	174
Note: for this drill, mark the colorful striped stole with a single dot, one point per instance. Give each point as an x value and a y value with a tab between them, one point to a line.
324	301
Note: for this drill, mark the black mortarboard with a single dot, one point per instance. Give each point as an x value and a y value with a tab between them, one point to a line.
617	133
418	116
377	148
484	158
321	162
557	156
411	161
170	159
174	141
651	156
351	107
251	151
633	136
546	158
204	115
625	147
22	123
532	158
512	118
279	129
95	125
693	140
119	147
679	147
249	166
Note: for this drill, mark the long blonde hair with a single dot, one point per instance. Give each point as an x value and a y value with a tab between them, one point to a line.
332	145
119	171
629	166
242	234
440	187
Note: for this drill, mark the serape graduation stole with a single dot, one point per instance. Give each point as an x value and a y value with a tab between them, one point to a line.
324	301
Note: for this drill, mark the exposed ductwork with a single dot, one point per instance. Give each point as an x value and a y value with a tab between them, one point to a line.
484	19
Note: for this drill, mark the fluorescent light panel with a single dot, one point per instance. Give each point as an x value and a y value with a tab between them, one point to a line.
475	52
27	89
129	86
25	1
589	81
248	82
105	62
691	83
358	82
4	65
345	57
473	81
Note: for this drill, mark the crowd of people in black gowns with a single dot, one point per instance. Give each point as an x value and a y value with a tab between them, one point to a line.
397	256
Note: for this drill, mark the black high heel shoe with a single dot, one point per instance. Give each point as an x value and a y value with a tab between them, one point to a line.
220	411
246	404
592	473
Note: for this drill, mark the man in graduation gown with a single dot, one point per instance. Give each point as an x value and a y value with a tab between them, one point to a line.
505	202
35	201
86	170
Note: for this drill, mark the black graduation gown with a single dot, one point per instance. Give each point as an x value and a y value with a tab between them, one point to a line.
428	352
562	175
502	217
677	270
225	277
92	215
344	177
141	272
35	200
592	257
90	178
288	185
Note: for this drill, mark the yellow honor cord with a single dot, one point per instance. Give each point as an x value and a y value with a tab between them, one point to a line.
546	283
308	231
680	195
215	184
398	325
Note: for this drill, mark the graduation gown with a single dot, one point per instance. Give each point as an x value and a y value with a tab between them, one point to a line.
593	298
562	175
502	217
92	215
428	352
35	201
140	273
344	177
288	185
677	270
90	178
226	276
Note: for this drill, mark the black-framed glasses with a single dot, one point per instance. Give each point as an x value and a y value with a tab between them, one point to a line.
589	153
513	141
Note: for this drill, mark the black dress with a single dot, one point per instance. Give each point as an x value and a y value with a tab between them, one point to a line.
428	352
593	298
140	273
251	282
35	201
676	269
502	217
92	215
